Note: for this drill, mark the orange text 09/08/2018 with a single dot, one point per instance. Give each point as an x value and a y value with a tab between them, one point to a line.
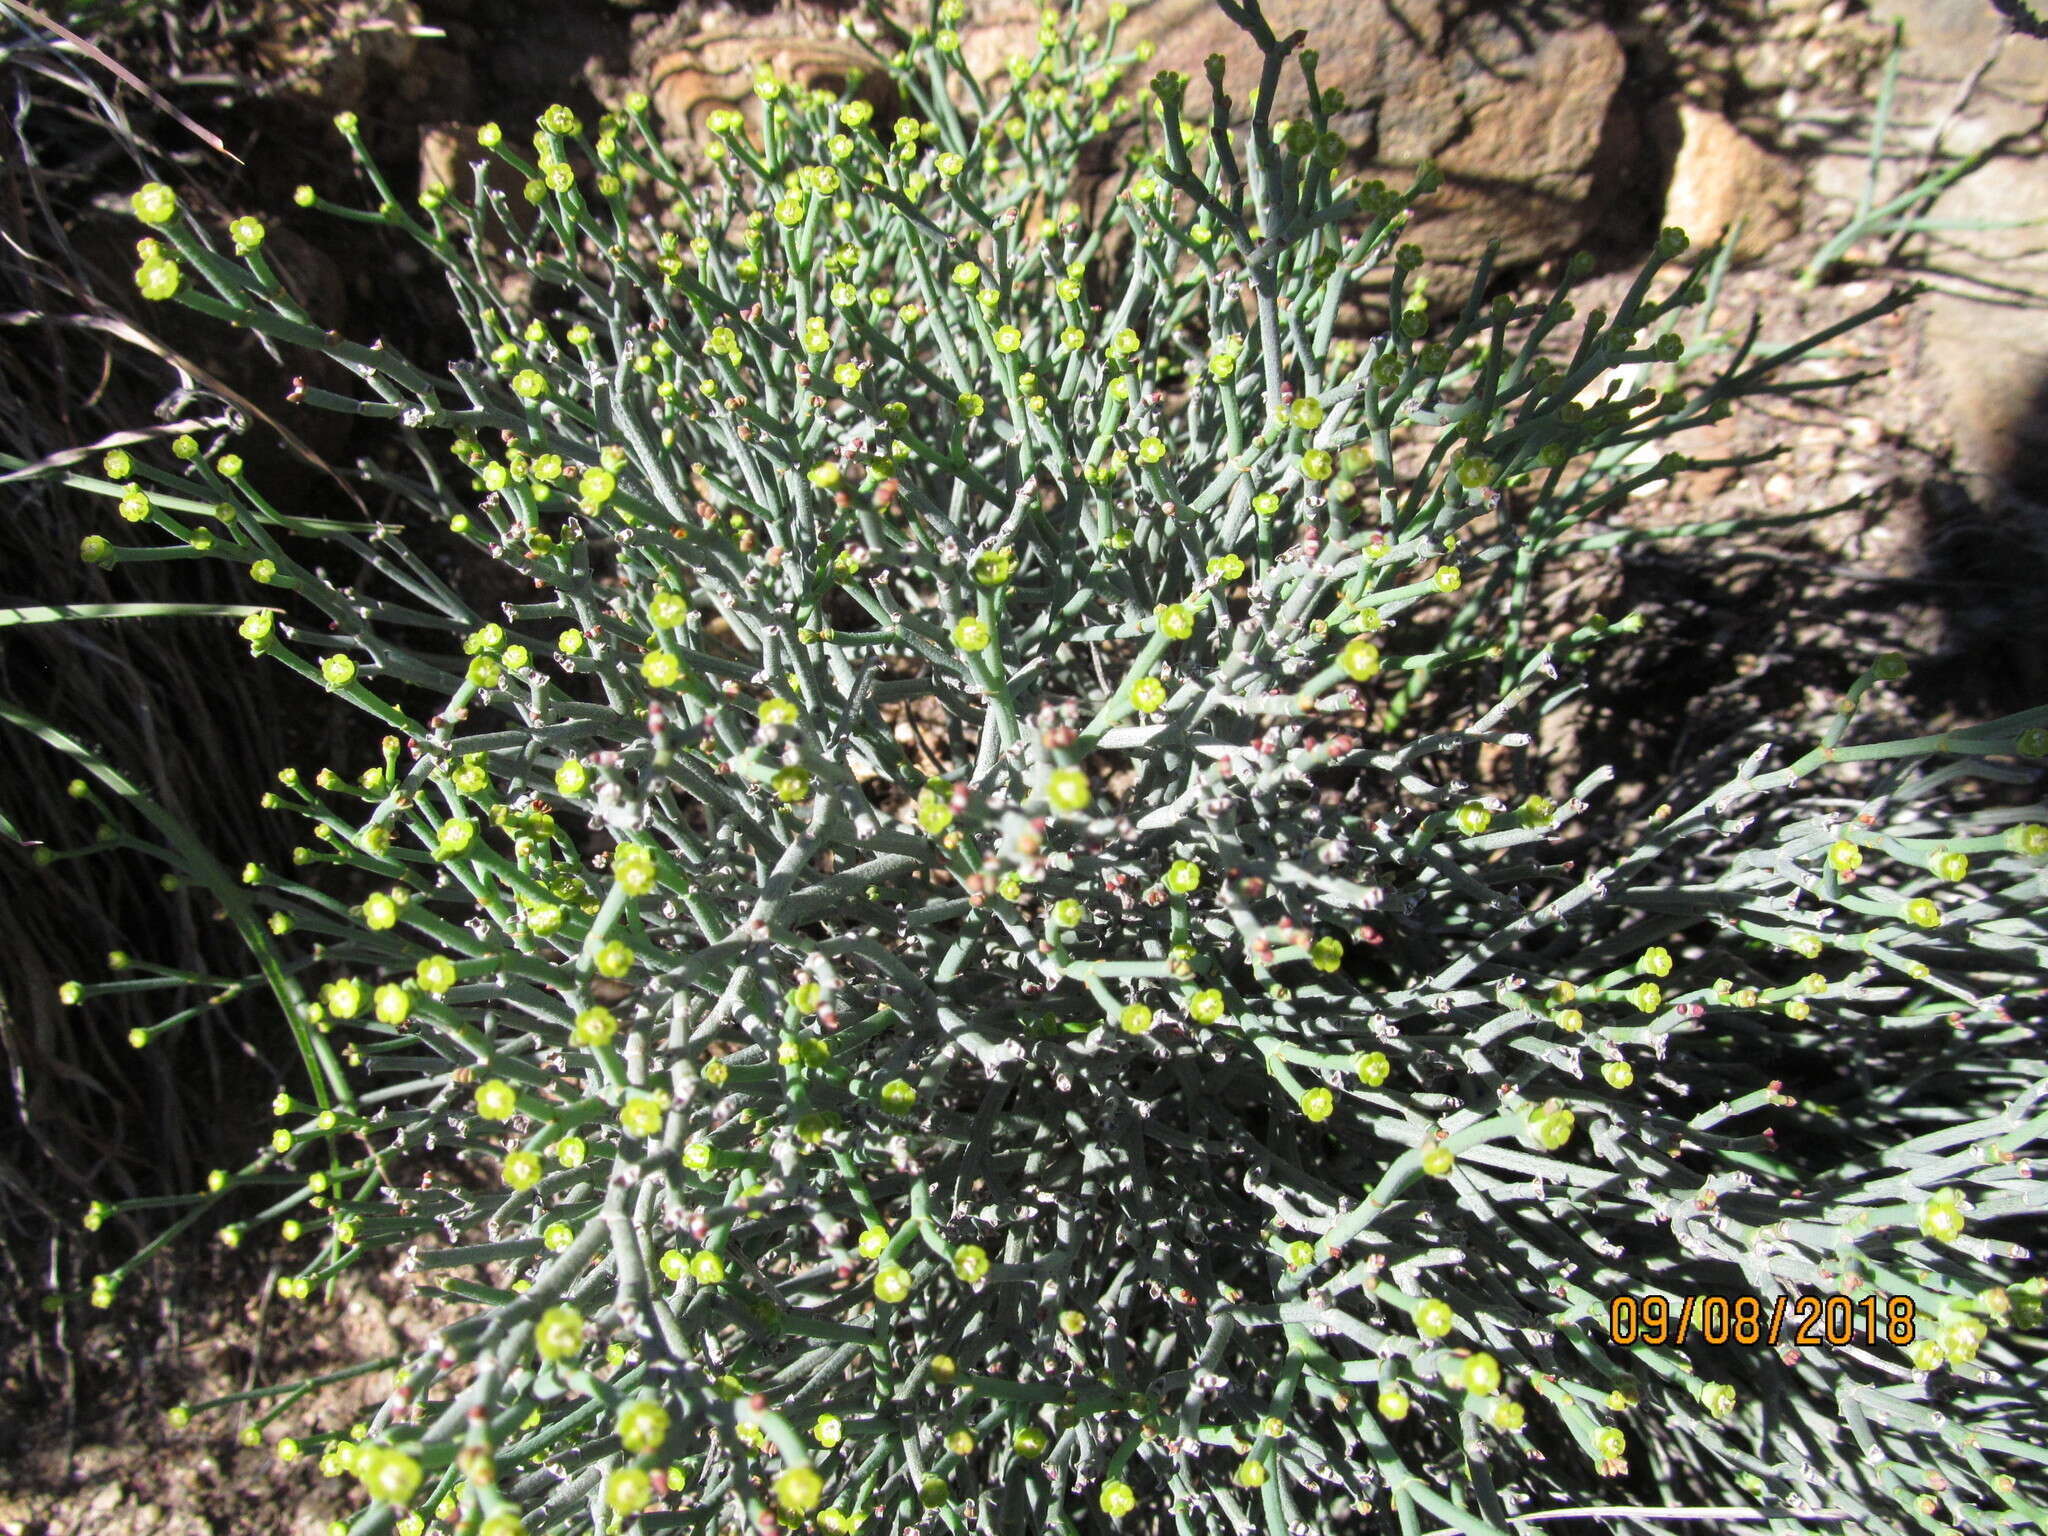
1805	1322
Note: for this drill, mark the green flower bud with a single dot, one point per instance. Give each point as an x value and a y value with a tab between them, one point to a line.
559	1334
388	1475
154	204
1941	1216
1481	1375
994	568
1434	1319
798	1490
159	280
1069	791
1472	819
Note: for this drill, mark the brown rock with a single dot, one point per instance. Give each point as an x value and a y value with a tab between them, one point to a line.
448	151
1513	113
1718	175
694	74
1986	343
334	54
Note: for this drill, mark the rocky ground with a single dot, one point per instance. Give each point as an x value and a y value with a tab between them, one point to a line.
1560	126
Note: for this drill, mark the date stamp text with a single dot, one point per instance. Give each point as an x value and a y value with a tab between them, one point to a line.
1804	1322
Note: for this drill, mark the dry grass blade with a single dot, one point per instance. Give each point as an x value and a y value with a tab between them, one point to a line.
81	1114
64	458
69	613
124	75
192	377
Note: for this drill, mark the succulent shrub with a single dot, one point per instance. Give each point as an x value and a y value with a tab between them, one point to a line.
945	955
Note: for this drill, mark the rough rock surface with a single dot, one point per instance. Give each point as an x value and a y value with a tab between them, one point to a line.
1967	83
691	76
1718	175
1519	115
1514	111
